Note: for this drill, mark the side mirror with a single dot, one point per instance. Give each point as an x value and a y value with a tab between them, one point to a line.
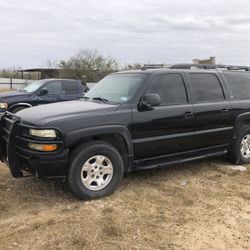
151	100
43	92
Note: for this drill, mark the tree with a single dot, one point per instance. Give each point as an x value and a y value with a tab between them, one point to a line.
90	64
51	63
9	72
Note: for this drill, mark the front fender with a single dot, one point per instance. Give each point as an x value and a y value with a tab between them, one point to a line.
75	136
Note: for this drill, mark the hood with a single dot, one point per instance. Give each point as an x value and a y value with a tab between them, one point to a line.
7	95
45	114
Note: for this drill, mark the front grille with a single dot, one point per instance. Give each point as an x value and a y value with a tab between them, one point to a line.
9	131
14	145
7	123
7	126
15	141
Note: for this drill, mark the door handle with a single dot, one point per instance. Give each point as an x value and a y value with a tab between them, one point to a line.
224	110
188	114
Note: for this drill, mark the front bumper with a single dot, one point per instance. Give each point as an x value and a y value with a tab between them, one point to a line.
22	160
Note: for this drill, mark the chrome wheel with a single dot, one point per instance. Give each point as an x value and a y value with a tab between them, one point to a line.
245	146
97	172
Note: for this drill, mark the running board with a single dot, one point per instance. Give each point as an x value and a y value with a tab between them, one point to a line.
139	166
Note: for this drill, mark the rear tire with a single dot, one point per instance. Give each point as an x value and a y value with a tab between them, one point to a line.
240	152
96	170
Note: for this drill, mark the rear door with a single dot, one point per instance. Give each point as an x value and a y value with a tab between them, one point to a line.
168	128
71	90
213	124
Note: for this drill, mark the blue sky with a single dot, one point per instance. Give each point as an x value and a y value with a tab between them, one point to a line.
146	31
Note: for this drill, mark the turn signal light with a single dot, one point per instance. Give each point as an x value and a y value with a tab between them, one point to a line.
43	147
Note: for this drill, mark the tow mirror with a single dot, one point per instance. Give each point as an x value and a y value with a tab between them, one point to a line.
151	100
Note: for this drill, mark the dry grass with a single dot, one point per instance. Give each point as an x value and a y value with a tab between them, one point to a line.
192	206
6	90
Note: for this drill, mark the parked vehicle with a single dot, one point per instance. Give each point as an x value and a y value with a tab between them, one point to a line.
130	121
41	92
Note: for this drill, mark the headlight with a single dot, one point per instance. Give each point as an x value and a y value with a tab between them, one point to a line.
3	105
46	133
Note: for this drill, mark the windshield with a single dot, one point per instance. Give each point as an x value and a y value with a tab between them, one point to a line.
33	86
116	88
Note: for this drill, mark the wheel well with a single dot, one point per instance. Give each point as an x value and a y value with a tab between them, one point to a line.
114	139
241	125
19	106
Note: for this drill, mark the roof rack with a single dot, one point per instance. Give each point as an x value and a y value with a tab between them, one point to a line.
209	66
154	66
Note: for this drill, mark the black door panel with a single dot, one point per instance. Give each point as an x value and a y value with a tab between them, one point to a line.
167	128
212	124
163	130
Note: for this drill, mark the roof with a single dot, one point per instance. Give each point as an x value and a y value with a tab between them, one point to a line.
209	66
154	68
59	79
158	70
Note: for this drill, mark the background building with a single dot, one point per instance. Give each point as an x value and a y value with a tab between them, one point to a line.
211	60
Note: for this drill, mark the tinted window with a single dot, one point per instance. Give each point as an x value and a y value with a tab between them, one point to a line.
239	84
206	87
170	88
54	88
70	88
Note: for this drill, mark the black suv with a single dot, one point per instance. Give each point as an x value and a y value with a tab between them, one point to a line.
41	92
129	121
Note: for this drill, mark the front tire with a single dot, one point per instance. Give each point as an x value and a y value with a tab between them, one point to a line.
96	170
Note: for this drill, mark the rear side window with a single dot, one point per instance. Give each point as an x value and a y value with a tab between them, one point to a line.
70	88
170	88
239	84
206	87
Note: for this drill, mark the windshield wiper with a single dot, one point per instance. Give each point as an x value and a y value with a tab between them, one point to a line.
100	99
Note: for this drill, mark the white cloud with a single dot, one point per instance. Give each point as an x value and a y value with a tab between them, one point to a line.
130	31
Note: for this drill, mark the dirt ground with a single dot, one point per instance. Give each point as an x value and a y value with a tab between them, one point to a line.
202	205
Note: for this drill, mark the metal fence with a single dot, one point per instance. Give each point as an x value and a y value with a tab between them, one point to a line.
12	83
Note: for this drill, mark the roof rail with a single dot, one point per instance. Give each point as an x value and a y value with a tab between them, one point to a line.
209	66
154	66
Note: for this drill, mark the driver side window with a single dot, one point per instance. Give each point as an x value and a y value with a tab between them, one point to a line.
170	88
54	88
